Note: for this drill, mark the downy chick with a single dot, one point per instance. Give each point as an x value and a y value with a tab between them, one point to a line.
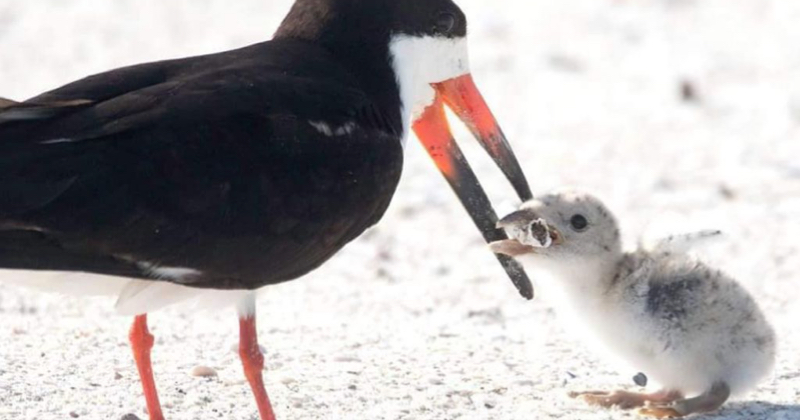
689	327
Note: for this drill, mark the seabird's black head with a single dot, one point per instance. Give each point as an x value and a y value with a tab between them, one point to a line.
315	20
411	57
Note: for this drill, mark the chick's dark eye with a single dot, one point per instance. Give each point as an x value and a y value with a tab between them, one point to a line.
579	222
445	23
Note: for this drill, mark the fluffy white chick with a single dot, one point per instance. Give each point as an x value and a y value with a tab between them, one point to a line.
689	327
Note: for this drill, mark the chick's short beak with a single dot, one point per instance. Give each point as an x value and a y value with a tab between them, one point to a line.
555	235
516	219
511	248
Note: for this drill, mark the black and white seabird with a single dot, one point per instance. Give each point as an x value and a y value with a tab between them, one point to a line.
228	172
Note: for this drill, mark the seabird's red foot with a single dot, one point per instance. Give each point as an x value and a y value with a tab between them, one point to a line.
141	343
253	362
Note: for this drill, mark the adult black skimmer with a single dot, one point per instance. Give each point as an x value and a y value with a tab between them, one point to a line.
237	170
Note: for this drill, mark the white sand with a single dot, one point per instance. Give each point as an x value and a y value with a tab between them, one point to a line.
416	320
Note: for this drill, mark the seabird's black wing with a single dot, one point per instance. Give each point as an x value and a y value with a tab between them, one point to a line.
217	164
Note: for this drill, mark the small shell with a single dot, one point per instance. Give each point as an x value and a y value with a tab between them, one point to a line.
540	234
203	372
535	234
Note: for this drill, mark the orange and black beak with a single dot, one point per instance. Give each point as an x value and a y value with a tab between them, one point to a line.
433	130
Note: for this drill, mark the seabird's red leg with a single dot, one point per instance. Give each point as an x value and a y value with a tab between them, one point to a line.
253	360
141	343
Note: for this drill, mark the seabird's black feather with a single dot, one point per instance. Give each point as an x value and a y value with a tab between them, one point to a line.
209	163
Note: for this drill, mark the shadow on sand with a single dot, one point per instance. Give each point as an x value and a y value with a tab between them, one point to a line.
755	410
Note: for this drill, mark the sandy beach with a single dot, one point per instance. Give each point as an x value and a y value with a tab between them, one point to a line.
678	113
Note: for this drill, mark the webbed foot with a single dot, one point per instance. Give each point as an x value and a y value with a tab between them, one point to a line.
660	412
625	400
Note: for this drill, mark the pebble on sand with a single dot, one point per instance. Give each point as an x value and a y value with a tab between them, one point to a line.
203	372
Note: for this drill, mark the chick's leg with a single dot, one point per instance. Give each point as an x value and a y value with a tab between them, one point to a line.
625	399
706	402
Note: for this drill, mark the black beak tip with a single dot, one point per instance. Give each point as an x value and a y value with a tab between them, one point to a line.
510	166
517	275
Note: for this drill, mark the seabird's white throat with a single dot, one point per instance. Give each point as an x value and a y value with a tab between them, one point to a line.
420	61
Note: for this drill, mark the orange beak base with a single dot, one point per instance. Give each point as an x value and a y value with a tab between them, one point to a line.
433	130
462	96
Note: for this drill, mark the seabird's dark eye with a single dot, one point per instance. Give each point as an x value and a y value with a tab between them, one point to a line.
445	23
579	223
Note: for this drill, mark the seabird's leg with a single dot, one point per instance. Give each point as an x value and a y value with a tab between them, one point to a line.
141	343
252	359
626	400
706	402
